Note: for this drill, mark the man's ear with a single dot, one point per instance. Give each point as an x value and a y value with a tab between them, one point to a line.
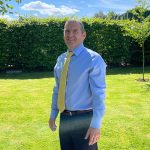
84	35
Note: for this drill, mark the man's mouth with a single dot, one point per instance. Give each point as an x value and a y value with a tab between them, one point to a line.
70	41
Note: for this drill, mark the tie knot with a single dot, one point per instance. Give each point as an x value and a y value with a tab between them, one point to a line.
70	53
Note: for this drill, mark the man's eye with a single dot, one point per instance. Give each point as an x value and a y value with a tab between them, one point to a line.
75	31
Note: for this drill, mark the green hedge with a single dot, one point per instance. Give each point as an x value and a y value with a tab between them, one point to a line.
34	44
108	40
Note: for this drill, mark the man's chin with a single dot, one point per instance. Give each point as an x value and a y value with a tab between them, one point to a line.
71	47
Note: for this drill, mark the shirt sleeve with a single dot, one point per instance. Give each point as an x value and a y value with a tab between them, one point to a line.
54	108
97	85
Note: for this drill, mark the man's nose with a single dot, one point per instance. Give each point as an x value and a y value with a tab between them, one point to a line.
70	34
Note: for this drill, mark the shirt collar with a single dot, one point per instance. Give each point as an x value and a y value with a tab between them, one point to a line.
76	51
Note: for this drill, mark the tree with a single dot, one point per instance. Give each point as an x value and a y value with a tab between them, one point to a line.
140	32
5	7
143	3
100	14
138	13
112	15
141	9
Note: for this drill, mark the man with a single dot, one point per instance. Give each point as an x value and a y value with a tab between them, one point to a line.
79	94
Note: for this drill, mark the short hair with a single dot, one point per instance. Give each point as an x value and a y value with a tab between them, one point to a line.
76	21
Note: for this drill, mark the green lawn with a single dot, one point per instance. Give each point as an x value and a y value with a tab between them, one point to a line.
25	100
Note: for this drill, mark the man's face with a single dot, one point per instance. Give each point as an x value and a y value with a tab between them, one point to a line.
73	36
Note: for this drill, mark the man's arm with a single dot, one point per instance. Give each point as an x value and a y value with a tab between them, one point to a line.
97	86
54	109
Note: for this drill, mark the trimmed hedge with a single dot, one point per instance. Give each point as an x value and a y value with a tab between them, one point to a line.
34	44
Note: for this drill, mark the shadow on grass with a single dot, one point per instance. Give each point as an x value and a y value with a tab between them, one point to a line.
147	86
127	70
39	75
26	75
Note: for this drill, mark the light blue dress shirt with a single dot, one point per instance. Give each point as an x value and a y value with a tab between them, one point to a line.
85	87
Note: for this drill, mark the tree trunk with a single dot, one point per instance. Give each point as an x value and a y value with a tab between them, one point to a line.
143	60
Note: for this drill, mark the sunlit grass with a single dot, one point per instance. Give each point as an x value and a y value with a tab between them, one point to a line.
25	104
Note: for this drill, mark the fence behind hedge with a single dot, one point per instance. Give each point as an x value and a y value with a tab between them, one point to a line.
34	43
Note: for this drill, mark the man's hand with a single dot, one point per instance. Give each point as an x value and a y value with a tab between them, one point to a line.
93	134
52	124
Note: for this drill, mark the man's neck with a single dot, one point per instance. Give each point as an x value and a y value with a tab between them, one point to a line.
72	49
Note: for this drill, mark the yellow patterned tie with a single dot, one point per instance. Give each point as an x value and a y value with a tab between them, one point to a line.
62	84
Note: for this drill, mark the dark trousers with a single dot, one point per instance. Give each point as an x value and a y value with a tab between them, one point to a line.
72	132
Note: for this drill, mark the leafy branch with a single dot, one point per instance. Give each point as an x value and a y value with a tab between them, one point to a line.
5	7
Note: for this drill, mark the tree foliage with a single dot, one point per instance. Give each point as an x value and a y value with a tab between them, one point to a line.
143	3
139	31
112	15
5	7
139	13
100	14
